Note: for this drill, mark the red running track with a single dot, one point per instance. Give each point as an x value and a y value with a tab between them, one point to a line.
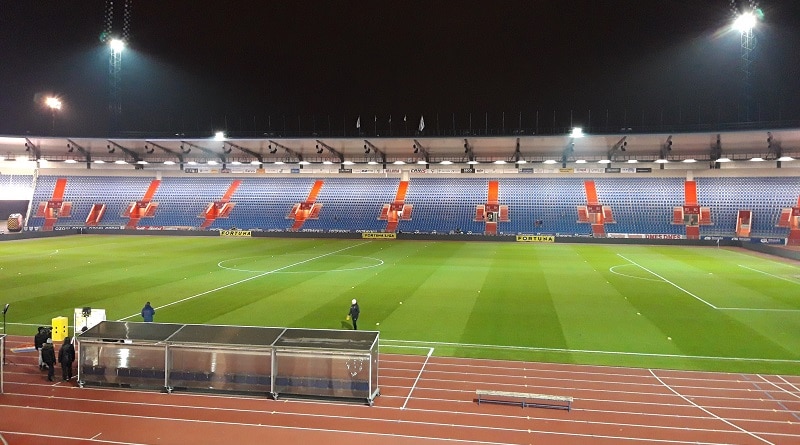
422	402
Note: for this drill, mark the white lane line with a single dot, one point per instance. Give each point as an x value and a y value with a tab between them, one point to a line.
667	281
381	420
789	383
707	411
772	275
430	352
248	279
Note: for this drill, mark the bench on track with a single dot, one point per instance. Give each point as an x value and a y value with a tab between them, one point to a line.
524	399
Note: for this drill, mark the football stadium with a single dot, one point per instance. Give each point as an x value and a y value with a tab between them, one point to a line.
536	282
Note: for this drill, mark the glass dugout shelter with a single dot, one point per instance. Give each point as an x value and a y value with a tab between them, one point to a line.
266	360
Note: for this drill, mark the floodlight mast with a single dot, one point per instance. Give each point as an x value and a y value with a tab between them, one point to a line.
745	22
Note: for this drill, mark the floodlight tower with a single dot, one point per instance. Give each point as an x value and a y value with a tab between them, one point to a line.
744	22
116	43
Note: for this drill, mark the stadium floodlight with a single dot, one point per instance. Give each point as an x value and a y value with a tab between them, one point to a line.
577	132
219	136
117	45
745	22
53	103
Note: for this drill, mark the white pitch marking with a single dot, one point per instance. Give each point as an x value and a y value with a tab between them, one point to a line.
772	275
670	282
248	279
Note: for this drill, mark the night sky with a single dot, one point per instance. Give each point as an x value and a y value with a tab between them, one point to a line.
253	65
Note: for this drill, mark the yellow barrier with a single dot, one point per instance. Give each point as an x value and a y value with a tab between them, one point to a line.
60	329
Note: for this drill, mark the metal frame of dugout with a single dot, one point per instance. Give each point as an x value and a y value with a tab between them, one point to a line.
317	363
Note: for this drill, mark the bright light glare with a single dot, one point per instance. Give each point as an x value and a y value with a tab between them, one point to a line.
53	103
745	22
577	132
116	45
219	136
550	161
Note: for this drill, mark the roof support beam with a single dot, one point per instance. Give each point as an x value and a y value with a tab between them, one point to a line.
332	151
205	150
135	156
371	146
418	148
288	150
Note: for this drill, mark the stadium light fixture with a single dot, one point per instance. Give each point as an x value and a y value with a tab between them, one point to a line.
745	22
219	136
117	45
53	103
577	132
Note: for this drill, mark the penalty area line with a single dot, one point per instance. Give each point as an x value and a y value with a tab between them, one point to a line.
670	282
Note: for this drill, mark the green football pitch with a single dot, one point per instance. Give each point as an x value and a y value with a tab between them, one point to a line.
699	308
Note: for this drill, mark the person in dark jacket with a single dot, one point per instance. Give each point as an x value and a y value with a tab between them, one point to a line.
66	355
38	340
354	313
49	358
148	312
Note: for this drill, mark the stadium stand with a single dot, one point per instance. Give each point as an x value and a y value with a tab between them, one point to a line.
547	205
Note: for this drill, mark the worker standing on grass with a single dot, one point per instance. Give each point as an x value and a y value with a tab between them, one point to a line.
354	312
148	312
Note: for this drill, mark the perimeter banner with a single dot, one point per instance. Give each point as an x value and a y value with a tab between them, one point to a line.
235	233
536	238
378	235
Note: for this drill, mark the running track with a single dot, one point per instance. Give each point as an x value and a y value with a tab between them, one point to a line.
421	403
